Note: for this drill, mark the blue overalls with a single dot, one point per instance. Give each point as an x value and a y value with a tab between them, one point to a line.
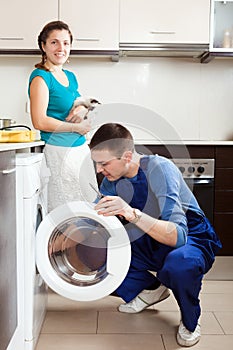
180	269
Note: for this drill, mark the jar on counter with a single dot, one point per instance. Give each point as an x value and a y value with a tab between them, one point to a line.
227	41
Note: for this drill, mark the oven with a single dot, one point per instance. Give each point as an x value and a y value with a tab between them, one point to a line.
199	176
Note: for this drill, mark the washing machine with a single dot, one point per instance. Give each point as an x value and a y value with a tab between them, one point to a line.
81	255
31	208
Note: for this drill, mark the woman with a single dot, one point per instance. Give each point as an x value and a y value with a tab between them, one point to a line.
52	91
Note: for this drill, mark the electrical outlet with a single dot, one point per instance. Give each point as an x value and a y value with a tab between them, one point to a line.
28	107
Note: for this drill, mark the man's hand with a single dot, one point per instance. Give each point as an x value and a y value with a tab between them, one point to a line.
114	205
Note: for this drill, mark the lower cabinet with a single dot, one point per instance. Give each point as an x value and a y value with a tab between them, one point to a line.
8	277
223	209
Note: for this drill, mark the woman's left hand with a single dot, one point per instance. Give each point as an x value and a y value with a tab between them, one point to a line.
77	114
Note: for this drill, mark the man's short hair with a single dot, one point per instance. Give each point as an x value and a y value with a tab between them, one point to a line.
112	137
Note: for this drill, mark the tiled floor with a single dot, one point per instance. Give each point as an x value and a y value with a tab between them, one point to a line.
97	325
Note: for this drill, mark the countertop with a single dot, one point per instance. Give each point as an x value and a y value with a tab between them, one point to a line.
8	146
21	145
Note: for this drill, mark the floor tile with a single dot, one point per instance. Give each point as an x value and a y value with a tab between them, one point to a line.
226	321
148	321
57	302
217	302
99	342
223	287
209	324
71	325
70	322
207	342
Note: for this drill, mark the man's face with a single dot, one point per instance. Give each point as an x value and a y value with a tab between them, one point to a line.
109	165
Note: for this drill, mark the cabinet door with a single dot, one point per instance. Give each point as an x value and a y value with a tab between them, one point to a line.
167	21
94	24
223	212
8	274
221	26
21	22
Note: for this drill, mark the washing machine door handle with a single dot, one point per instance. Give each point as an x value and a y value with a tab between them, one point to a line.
114	264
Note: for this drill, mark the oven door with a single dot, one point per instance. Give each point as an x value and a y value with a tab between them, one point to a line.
203	190
80	254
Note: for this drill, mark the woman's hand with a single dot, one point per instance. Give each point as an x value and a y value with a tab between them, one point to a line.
83	127
114	205
77	114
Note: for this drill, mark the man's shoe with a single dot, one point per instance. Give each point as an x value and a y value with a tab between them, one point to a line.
145	299
187	338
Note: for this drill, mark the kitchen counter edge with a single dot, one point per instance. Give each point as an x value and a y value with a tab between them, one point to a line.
22	145
183	142
19	145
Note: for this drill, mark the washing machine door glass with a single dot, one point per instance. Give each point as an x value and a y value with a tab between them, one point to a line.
81	255
78	251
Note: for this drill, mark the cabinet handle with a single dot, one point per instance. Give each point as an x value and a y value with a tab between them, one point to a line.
87	39
162	32
5	38
8	171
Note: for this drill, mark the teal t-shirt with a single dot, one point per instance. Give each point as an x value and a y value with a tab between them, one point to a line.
61	99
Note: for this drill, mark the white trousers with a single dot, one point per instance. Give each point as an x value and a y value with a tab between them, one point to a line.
71	171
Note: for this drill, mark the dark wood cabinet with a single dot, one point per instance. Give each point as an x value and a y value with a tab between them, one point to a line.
223	208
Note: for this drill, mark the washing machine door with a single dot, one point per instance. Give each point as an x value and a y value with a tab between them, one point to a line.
80	254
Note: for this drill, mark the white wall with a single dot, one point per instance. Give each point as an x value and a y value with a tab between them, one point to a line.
194	100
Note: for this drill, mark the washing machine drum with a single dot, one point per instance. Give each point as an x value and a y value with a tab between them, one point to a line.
80	254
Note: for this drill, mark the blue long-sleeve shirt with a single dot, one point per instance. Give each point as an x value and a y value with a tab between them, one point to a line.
159	191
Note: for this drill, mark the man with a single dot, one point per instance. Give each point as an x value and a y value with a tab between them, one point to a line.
169	233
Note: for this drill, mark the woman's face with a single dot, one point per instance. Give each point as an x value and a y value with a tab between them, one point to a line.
57	47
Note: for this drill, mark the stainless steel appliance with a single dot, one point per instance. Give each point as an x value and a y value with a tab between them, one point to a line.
199	176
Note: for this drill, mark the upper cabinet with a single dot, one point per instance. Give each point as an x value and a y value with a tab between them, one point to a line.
21	22
167	21
221	26
94	23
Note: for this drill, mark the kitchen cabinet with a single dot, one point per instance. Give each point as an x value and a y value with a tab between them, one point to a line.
8	275
21	22
167	21
94	24
223	183
223	213
221	26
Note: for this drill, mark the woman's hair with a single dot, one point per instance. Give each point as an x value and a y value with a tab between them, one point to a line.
43	36
112	137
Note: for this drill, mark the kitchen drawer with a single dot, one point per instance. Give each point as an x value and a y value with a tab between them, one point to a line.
224	202
224	179
223	227
224	157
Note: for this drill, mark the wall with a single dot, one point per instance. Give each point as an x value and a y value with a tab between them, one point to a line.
194	100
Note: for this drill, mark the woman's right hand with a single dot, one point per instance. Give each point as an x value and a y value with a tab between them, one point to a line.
83	127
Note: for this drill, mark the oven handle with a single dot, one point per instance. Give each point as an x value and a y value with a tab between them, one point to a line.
200	182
